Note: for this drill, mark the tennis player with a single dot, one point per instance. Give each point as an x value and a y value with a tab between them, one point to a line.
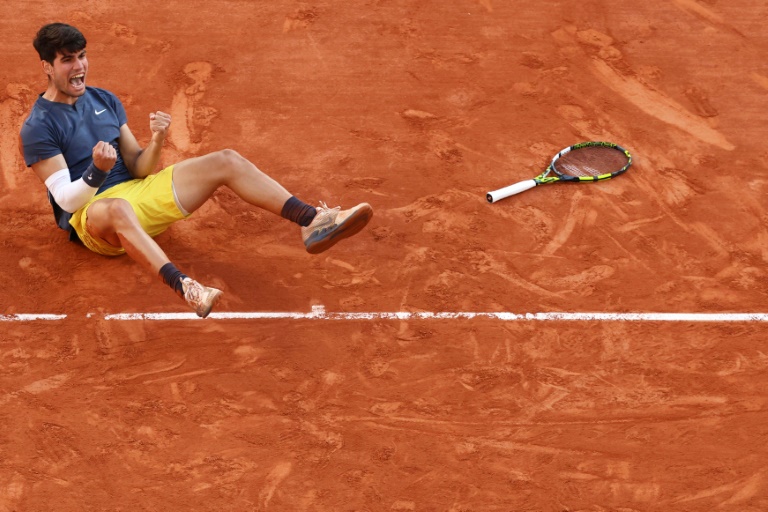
101	182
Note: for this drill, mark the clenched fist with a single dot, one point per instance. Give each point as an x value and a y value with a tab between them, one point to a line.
159	123
104	156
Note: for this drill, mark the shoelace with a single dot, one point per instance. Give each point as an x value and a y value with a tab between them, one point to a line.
194	293
327	213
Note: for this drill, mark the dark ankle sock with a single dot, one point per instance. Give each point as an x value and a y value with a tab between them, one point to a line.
298	212
172	277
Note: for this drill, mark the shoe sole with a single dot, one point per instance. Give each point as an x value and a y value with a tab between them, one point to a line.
216	296
351	226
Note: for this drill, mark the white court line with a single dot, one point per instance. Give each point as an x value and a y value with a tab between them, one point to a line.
30	318
503	316
319	313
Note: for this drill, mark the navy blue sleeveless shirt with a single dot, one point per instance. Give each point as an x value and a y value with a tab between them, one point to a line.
54	128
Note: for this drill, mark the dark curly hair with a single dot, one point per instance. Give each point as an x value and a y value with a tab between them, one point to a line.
56	37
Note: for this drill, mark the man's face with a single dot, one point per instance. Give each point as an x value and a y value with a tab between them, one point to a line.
67	74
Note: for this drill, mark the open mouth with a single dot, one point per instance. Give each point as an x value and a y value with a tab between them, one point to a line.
78	81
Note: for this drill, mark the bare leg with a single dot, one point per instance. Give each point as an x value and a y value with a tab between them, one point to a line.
114	221
196	179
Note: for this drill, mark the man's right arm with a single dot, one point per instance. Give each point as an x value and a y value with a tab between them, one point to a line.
73	195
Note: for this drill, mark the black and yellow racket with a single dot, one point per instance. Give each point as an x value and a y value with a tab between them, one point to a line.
580	163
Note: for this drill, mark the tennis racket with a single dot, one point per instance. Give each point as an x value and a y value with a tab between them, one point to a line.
580	163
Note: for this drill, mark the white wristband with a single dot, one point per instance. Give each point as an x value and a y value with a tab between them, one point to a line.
70	195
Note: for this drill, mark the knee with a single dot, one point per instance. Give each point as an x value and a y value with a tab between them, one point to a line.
228	158
229	165
121	214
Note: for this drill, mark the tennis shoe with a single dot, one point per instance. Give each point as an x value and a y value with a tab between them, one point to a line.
331	225
200	298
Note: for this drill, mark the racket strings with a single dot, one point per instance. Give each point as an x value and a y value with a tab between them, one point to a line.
591	161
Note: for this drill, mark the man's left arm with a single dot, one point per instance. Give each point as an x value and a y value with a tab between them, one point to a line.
142	162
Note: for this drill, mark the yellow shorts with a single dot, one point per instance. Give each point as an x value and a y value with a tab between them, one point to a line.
152	200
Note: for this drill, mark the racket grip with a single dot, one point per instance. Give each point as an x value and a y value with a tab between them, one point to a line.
511	190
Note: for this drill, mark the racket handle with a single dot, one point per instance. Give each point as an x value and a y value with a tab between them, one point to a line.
511	190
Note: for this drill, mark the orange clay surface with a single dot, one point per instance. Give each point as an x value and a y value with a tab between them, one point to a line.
418	107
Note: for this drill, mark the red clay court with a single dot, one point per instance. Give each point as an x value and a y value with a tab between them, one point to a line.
419	108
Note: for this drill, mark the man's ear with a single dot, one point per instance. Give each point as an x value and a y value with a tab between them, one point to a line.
47	68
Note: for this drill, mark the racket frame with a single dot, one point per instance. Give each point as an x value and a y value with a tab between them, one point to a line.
544	177
569	178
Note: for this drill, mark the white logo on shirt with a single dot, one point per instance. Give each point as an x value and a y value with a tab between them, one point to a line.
98	112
